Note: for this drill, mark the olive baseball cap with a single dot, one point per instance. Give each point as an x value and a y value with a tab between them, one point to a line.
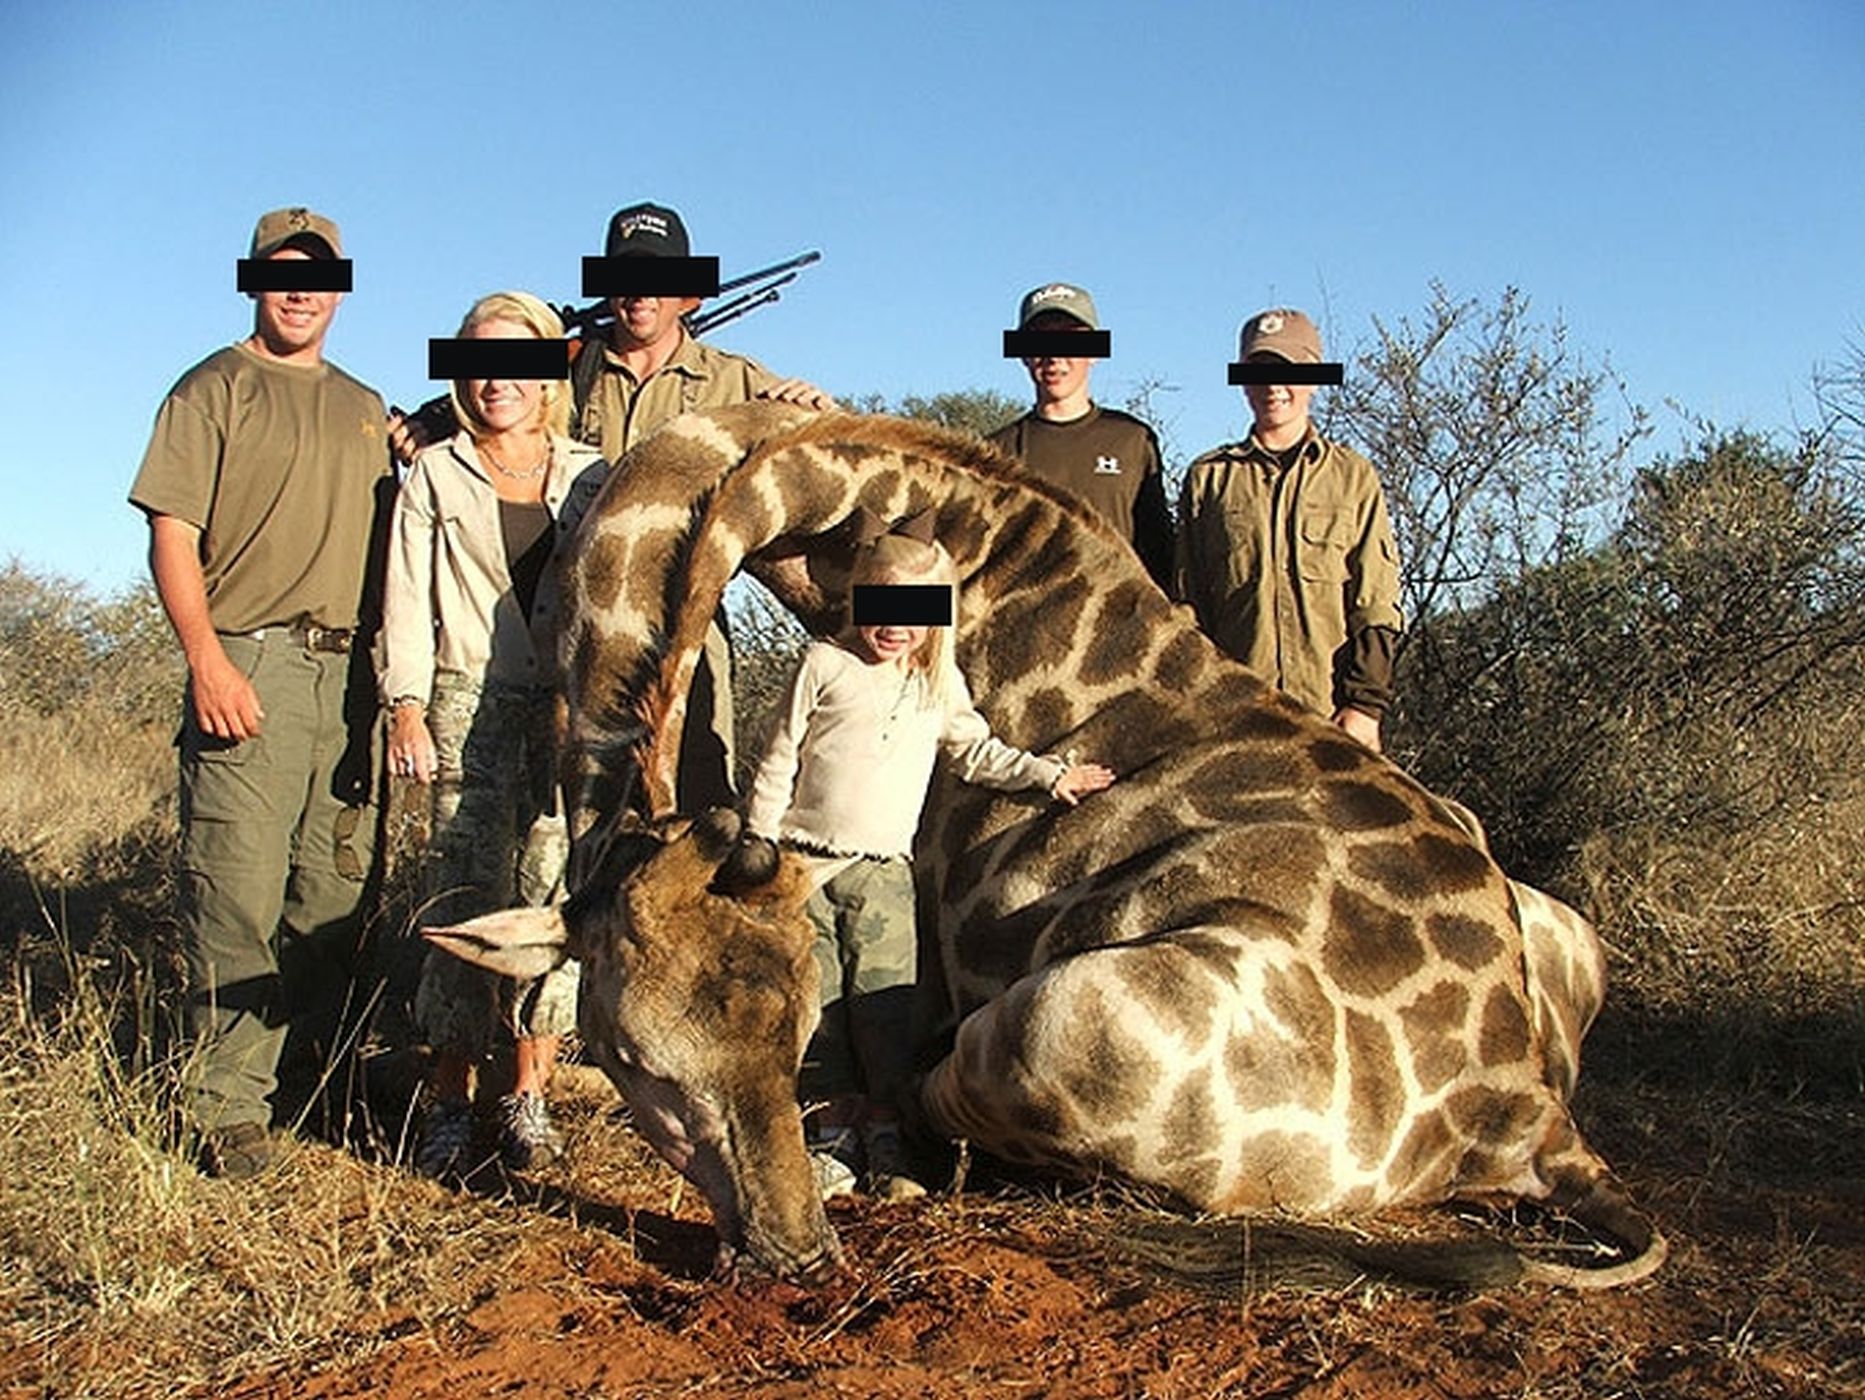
1282	332
650	230
1061	298
296	227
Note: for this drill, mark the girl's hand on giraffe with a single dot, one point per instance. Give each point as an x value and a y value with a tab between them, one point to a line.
1080	779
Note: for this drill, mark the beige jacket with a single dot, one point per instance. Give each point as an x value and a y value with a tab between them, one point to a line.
447	602
1285	568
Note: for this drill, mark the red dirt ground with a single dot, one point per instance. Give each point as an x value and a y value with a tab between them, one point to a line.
990	1295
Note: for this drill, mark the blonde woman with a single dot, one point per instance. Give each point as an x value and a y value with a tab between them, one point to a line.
843	782
466	667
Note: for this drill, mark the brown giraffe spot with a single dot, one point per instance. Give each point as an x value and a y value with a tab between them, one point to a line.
1240	775
1191	1117
1433	1026
963	532
1179	663
1281	1169
1293	1064
1276	724
1336	755
1491	1116
1048	711
1454	864
1504	1037
1215	955
600	575
1370	948
1167	983
1395	867
811	490
1106	1070
1359	806
1376	1101
1470	943
1427	1143
1118	635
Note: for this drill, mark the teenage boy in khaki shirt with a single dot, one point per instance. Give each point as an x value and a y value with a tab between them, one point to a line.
1285	550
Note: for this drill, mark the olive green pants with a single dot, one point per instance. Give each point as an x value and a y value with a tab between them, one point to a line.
866	961
277	835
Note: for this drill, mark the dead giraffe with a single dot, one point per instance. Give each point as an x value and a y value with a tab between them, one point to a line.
1266	970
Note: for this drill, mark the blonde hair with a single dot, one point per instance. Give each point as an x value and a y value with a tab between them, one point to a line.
902	559
527	311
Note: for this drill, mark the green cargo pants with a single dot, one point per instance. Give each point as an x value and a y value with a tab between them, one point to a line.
277	834
866	961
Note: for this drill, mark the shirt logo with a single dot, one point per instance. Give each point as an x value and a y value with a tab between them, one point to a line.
1107	466
372	429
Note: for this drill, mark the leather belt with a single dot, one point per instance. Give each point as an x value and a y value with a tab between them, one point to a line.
310	636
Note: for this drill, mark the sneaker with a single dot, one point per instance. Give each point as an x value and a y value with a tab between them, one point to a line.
446	1139
829	1155
237	1151
527	1137
888	1177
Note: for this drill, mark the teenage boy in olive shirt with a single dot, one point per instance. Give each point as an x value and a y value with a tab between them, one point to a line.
1104	458
1285	547
261	484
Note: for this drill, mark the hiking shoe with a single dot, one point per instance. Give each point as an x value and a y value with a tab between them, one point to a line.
888	1177
446	1139
830	1158
237	1151
527	1137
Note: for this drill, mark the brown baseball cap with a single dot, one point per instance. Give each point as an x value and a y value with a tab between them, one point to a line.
1282	332
297	227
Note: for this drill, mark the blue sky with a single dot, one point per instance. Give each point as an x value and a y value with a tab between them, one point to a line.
1684	185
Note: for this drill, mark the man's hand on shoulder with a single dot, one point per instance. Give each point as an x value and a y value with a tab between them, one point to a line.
1360	725
225	703
800	392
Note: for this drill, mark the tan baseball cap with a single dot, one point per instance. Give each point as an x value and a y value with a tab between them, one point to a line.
1282	332
1058	297
282	226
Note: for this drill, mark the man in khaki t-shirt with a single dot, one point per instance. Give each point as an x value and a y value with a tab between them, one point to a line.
1104	458
1285	549
262	484
648	373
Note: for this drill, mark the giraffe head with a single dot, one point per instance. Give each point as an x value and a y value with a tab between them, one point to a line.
698	1007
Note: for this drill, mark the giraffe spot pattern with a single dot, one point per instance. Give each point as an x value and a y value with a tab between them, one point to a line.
1171	986
1337	755
1102	1067
1293	1065
1468	942
1427	1144
1434	1024
1490	1116
1278	1168
1376	1097
1394	866
1504	1036
1047	713
1362	806
1370	947
1189	1128
1454	865
1179	663
1119	634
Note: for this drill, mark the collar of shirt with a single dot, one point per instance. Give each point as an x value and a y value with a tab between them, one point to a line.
1253	451
688	358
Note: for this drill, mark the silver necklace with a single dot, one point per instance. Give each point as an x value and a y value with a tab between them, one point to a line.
529	474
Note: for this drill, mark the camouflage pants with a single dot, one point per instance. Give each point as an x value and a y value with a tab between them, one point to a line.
497	840
866	958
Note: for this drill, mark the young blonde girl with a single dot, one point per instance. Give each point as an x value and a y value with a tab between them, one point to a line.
843	781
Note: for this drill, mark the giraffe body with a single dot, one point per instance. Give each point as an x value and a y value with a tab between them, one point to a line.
1265	970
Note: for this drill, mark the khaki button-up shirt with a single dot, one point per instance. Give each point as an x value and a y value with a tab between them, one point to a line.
1285	566
448	603
622	410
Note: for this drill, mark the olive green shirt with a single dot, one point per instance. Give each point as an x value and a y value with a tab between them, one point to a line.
1108	460
622	410
277	465
1287	567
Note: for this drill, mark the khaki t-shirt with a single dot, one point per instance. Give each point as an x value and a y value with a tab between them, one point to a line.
621	411
1106	459
277	464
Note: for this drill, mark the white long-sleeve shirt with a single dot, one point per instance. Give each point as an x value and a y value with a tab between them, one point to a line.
849	763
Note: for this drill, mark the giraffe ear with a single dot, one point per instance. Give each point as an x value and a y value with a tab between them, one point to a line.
522	943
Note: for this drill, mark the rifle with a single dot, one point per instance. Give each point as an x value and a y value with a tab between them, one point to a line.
434	420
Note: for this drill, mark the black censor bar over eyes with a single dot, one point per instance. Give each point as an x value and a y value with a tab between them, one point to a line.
650	277
1058	345
902	605
294	275
498	359
1283	372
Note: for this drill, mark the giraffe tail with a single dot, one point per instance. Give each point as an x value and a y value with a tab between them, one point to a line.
1602	1208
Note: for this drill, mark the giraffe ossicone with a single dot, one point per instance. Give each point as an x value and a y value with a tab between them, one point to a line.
1265	971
